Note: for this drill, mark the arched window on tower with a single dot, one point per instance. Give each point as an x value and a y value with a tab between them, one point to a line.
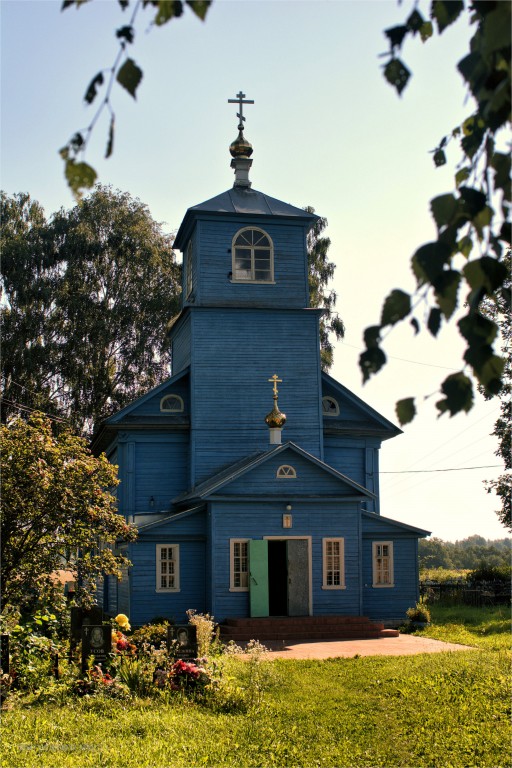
253	256
330	406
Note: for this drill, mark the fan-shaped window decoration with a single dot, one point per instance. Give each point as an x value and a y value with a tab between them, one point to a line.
330	406
286	471
171	404
253	256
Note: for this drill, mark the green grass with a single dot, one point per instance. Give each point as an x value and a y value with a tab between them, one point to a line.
486	627
432	710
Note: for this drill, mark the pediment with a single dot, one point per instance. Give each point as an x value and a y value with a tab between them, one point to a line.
352	416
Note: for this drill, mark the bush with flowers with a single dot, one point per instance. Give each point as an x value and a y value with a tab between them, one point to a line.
97	682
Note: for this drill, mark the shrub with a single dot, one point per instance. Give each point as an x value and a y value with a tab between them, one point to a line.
420	614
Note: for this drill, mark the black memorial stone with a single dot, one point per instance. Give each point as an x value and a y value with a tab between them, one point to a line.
182	641
96	642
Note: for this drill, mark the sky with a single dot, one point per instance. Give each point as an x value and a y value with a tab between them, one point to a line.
327	131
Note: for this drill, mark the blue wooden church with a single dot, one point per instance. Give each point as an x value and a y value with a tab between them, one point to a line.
244	511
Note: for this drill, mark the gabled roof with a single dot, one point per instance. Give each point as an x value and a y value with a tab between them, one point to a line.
246	202
387	521
107	426
359	419
234	472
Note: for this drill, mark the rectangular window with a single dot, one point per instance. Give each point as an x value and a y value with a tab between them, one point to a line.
383	564
167	568
239	565
333	563
188	270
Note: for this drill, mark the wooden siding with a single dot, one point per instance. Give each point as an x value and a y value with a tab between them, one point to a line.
311	480
162	470
347	456
390	603
256	521
181	345
235	353
290	288
151	406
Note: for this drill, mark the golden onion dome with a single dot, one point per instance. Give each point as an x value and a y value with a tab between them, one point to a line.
240	147
275	419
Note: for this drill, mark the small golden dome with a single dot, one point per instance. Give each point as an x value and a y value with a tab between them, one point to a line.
240	147
275	419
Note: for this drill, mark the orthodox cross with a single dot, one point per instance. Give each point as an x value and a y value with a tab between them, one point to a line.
241	100
276	381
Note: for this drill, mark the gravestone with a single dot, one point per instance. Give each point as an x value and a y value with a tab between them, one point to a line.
182	641
81	617
96	642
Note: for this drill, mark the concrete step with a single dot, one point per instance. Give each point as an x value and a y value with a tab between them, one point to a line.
287	628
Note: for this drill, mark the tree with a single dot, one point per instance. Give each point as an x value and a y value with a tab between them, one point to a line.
87	296
499	312
57	511
472	222
320	273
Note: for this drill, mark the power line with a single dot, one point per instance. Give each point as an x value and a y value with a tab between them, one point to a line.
402	359
421	471
33	410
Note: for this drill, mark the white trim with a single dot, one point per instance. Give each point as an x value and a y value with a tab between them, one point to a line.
341	541
330	413
286	472
379	569
172	410
232	587
310	563
175	560
250	249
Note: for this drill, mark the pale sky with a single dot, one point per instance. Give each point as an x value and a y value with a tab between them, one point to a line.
327	131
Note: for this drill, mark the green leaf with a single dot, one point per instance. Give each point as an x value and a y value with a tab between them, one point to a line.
465	246
405	410
458	391
371	361
501	164
426	31
396	306
445	12
129	76
461	176
397	74
434	321
415	325
474	200
415	21
79	176
496	30
372	336
446	287
482	220
69	3
439	158
477	330
485	273
444	209
200	7
110	143
167	10
429	260
487	366
92	90
396	35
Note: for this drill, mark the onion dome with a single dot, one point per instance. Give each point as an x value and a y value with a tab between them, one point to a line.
275	419
240	147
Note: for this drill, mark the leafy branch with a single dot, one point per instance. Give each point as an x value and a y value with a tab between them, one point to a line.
79	174
473	221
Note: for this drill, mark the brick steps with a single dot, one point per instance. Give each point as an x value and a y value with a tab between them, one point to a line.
288	628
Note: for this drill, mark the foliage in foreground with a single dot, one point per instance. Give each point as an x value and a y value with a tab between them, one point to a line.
438	709
56	505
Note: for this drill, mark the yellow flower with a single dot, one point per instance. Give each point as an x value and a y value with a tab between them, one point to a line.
123	621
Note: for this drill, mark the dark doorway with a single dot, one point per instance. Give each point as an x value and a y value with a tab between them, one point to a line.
277	578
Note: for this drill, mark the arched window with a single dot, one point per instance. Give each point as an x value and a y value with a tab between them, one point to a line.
286	471
330	406
171	404
253	256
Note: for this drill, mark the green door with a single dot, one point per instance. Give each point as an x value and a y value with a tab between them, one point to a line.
258	577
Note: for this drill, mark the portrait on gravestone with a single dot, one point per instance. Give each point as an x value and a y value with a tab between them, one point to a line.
96	642
182	641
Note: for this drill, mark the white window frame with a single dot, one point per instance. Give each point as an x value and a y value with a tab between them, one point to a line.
188	270
336	411
172	410
286	472
251	249
232	572
378	568
176	567
325	562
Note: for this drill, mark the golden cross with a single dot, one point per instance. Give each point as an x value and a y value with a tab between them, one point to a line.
275	380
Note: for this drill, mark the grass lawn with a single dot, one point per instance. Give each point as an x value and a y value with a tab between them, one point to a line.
442	710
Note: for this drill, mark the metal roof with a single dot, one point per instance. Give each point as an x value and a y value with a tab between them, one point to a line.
247	202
